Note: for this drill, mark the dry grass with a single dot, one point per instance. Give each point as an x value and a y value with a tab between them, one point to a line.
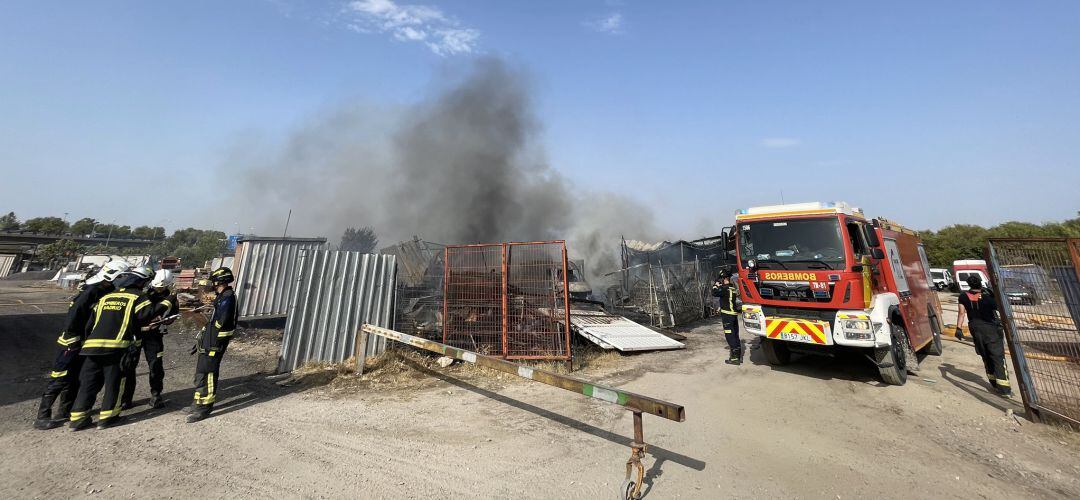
403	370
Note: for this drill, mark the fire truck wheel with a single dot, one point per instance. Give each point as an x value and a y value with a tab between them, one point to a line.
892	360
776	353
934	348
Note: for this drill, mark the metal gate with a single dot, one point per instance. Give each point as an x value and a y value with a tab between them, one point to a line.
1037	284
507	299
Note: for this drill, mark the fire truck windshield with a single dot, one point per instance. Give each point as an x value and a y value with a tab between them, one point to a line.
793	244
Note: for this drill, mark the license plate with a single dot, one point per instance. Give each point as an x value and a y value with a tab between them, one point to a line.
797	337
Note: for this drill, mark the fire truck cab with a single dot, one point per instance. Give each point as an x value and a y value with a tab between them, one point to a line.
816	277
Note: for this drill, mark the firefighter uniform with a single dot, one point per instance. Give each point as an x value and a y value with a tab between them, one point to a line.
211	345
152	345
64	377
118	318
729	316
981	307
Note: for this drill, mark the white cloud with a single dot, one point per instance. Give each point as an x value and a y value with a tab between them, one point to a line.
611	24
425	24
780	142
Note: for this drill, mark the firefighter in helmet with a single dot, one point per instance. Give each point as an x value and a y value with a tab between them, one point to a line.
107	350
728	297
64	377
211	343
981	310
152	344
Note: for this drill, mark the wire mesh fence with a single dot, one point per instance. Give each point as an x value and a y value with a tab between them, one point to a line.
669	282
419	294
1038	286
507	300
670	295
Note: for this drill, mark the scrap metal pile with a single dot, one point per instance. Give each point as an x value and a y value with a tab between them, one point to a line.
506	300
669	282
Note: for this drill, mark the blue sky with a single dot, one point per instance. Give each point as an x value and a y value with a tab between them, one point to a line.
928	113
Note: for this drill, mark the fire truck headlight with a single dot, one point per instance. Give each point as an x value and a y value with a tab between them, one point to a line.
858	329
857	325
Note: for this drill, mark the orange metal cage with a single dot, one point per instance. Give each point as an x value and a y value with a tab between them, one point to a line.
508	299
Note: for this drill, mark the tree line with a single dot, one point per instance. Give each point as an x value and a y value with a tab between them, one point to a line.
85	227
968	241
193	246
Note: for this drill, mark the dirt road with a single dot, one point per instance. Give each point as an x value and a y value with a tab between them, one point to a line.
820	428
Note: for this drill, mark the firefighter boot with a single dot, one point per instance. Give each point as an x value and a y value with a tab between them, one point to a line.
111	422
156	402
735	359
80	424
44	424
200	412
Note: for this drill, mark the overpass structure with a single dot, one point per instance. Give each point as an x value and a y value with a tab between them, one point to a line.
21	239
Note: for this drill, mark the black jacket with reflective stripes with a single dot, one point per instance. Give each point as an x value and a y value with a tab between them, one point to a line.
118	318
220	329
80	310
729	298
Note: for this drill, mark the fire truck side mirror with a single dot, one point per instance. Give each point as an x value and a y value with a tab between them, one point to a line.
877	254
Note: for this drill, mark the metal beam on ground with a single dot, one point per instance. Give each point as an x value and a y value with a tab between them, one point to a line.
670	411
637	403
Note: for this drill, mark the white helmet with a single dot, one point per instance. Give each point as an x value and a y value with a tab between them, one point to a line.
109	271
142	272
162	279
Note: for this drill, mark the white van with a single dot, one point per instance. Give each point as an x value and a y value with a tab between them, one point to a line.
942	278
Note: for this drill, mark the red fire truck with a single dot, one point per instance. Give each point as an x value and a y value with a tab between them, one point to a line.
816	277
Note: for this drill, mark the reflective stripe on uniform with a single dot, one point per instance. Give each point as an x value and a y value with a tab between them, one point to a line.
161	354
225	334
66	341
106	343
58	374
212	353
167	303
77	415
115	411
142	305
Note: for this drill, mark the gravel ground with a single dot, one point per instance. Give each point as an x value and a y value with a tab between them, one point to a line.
819	428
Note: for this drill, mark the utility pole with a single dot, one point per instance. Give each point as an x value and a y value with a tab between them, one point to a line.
287	219
109	238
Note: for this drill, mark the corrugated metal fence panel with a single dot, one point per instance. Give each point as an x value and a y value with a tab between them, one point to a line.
335	293
7	262
267	275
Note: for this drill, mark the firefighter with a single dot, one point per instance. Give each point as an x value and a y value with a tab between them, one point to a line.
728	296
152	342
107	351
211	344
981	309
64	377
